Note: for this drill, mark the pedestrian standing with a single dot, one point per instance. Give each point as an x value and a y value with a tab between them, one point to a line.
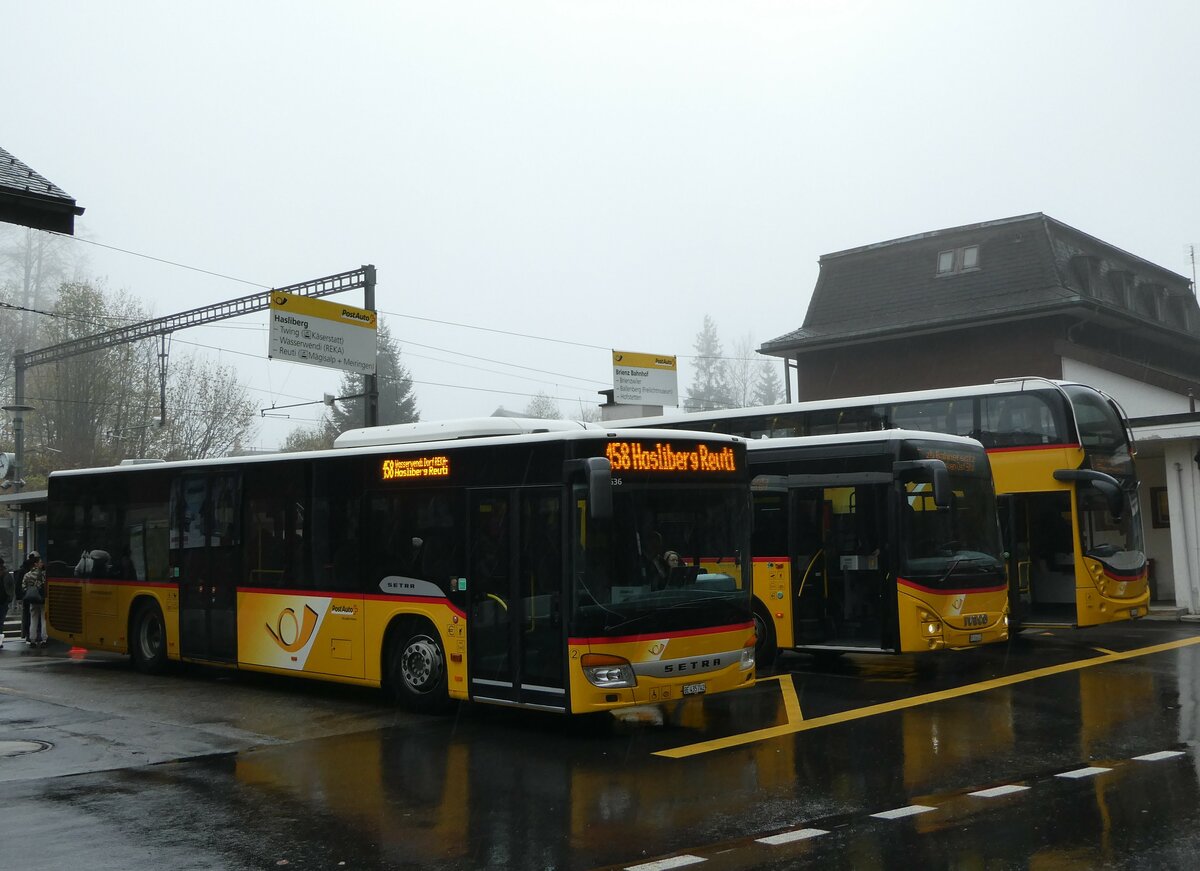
8	592
18	582
35	594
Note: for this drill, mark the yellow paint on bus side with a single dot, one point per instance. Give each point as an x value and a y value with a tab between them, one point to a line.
928	698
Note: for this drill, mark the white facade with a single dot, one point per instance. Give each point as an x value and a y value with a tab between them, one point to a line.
1168	459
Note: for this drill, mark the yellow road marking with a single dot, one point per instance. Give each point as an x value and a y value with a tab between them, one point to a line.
915	701
1104	650
791	702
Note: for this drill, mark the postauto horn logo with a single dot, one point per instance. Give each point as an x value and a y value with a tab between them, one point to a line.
289	633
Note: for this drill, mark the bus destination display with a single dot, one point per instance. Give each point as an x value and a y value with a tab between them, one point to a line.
663	457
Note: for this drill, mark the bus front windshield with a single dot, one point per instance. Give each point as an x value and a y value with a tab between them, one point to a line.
668	559
1114	541
955	547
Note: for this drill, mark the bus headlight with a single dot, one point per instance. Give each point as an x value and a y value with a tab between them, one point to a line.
747	660
608	672
934	628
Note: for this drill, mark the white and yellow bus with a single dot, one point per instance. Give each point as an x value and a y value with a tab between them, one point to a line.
494	560
1062	458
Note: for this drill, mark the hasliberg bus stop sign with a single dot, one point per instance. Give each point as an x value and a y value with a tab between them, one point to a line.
322	333
645	379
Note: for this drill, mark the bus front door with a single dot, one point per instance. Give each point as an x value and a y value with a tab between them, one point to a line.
516	644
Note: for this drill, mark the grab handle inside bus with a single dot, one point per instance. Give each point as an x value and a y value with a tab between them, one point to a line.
1109	487
598	472
937	472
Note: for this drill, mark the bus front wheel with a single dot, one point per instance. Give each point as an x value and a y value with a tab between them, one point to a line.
416	669
765	649
149	639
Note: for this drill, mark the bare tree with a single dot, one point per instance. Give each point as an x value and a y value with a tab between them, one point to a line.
542	406
211	414
317	438
741	371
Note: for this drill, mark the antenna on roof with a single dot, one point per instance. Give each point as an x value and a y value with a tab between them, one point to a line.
1191	250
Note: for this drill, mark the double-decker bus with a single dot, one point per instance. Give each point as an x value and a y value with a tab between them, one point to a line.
1062	458
875	542
494	560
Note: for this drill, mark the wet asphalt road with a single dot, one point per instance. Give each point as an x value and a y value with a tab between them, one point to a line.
876	760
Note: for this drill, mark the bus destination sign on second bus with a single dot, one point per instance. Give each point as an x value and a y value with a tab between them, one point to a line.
638	457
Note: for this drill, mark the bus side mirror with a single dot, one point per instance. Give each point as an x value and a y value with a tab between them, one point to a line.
598	473
936	471
1108	487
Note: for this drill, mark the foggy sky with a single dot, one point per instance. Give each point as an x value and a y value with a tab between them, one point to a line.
604	174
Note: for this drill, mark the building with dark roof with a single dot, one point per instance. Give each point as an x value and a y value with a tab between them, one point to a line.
1018	296
1023	296
30	200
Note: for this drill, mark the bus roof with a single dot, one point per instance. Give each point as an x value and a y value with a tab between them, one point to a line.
1001	386
868	437
557	432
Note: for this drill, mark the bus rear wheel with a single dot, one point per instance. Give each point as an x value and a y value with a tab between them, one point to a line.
416	669
148	638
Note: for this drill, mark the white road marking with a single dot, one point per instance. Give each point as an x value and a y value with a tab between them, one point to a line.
997	791
665	864
1161	754
1083	772
899	812
789	837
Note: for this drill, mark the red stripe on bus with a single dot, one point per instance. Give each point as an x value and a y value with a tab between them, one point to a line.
114	582
906	583
1072	446
770	559
1140	576
682	633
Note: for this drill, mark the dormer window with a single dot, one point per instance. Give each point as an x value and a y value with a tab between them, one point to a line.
954	260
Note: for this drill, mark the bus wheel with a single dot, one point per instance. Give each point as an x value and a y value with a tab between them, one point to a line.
149	639
765	650
416	669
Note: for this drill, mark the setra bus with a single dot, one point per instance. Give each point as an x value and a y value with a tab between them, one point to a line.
496	560
1062	457
875	542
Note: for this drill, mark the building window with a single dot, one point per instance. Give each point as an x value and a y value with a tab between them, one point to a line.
958	260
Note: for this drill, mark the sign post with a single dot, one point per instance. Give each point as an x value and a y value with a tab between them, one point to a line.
645	379
321	333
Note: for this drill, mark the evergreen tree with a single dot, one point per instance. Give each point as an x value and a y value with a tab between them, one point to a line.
768	388
397	402
710	382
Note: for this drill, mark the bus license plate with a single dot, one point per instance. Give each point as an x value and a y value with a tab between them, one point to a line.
975	637
1135	612
694	689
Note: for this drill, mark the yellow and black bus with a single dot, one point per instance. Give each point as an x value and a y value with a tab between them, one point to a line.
875	542
494	560
1062	458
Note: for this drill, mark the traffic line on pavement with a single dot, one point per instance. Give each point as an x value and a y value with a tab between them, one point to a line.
1161	754
791	701
1090	771
792	836
667	864
807	833
908	811
997	791
792	728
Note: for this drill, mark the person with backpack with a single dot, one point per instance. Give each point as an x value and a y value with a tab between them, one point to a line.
34	584
19	592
